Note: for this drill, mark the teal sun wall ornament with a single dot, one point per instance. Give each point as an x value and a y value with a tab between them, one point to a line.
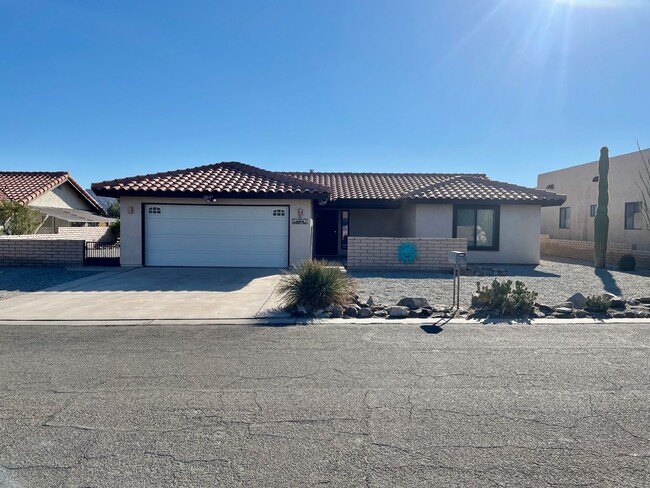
407	252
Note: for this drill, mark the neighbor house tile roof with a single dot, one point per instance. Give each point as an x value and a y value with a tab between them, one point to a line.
232	178
26	186
219	178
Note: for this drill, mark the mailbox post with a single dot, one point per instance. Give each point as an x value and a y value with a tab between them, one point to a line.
459	260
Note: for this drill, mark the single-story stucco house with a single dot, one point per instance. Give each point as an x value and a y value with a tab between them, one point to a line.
234	214
60	200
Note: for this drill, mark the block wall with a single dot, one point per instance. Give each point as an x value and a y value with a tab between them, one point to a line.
584	250
41	252
381	253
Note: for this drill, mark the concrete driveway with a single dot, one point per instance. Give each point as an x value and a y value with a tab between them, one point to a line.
152	294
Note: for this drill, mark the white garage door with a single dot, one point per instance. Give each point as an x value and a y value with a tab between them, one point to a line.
230	236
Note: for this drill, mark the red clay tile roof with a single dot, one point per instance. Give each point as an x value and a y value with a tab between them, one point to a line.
227	177
234	178
25	186
477	189
381	186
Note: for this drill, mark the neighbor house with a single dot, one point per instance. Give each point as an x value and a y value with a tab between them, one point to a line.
574	220
234	214
59	199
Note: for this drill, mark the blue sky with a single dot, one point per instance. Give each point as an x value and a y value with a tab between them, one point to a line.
106	89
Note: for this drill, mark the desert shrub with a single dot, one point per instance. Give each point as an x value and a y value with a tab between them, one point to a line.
597	303
314	284
505	299
627	263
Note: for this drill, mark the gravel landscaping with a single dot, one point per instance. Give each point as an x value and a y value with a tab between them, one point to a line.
554	281
19	280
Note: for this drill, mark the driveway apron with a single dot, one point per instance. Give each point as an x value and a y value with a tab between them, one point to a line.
152	293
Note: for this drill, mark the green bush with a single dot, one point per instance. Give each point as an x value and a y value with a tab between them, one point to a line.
115	228
314	284
627	263
505	299
18	219
597	303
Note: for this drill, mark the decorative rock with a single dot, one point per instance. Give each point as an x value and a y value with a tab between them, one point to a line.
425	312
370	301
336	311
617	303
631	313
478	301
645	300
563	311
381	313
619	315
643	314
365	313
564	305
562	315
608	296
319	313
578	300
300	311
398	312
581	314
544	308
539	314
413	303
414	314
462	311
351	311
633	302
440	308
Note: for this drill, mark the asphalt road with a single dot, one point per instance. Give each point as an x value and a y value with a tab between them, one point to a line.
381	406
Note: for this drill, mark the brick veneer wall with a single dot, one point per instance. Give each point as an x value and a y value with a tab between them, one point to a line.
584	250
100	234
381	253
41	252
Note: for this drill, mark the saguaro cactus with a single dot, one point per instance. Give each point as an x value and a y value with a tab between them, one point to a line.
601	225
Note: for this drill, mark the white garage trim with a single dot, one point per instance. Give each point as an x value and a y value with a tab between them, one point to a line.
215	235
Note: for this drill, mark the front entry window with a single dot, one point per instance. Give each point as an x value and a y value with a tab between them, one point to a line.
345	228
479	225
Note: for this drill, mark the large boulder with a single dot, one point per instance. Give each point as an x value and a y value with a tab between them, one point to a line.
413	303
336	311
352	311
578	300
398	312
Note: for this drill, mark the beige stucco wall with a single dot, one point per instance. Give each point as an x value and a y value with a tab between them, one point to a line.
518	238
300	242
576	183
63	196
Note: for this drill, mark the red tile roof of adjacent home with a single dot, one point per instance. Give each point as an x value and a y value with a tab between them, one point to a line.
26	186
220	178
232	178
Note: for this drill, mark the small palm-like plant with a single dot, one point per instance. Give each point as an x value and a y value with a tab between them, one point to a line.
316	285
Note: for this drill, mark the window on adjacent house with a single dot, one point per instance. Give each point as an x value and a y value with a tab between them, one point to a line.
592	210
565	218
633	215
479	225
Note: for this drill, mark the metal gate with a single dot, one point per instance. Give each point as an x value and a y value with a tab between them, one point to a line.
98	253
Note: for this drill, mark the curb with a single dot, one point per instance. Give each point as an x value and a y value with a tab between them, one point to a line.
289	322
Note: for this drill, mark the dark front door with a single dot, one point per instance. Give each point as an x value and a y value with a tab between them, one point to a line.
326	232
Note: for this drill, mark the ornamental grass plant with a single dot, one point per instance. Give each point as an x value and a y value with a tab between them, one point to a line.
315	285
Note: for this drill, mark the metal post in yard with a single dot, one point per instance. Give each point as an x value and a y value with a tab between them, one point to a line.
458	259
